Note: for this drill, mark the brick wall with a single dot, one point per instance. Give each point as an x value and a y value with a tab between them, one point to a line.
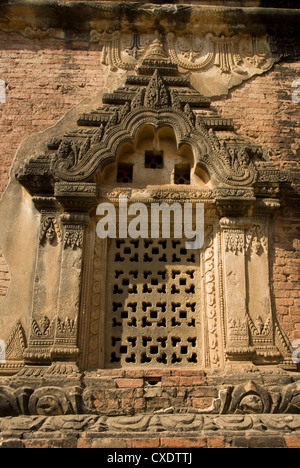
134	391
46	78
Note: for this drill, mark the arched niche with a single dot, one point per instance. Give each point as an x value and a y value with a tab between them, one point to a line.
154	158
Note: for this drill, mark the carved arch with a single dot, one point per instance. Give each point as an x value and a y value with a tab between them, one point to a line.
229	164
105	152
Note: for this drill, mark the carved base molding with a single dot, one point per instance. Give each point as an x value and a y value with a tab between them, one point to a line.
117	395
86	431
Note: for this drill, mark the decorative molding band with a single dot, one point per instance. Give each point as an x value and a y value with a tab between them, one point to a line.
245	399
237	54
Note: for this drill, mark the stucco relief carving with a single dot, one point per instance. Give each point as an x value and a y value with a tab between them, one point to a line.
72	330
169	307
230	59
242	400
50	230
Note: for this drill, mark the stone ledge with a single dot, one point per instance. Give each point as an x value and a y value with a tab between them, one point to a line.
156	431
79	15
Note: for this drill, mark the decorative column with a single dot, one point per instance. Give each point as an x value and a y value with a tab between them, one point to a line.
235	288
252	332
77	200
45	282
266	336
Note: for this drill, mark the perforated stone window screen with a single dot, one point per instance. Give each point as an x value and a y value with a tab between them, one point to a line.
152	304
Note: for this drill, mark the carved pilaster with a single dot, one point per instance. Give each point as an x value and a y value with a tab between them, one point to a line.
77	200
44	307
251	326
260	316
235	288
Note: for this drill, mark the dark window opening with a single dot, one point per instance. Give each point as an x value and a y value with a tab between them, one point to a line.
124	173
154	159
182	174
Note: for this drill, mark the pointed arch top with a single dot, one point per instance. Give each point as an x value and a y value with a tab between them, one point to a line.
158	98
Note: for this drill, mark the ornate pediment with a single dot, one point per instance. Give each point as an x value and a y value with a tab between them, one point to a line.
162	98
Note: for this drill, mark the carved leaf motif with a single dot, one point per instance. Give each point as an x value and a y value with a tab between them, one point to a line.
234	242
16	344
73	239
50	230
256	241
67	327
42	328
156	95
260	328
72	151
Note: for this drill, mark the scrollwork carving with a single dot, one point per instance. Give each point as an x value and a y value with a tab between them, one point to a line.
52	401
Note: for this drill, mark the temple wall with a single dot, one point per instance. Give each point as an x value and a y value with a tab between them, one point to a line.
45	78
59	386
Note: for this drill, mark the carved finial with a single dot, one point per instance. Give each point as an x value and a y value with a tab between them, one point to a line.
157	94
156	50
156	58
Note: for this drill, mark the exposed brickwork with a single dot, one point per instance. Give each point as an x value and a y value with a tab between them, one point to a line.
183	443
151	442
44	79
134	391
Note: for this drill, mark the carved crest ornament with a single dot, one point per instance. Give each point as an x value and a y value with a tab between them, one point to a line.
220	308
